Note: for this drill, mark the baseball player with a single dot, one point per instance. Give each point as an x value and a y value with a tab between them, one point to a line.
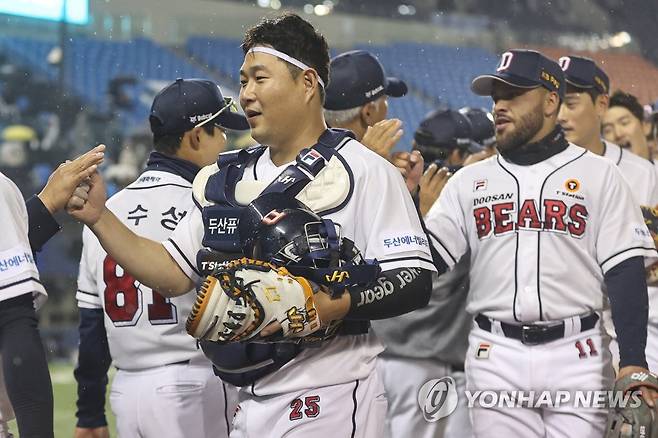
622	124
444	141
357	99
550	228
585	104
25	387
164	385
482	132
288	389
440	330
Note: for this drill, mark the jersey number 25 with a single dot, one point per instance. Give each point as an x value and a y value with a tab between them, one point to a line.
123	300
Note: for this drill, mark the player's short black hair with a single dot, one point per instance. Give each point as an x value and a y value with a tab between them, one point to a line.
170	143
628	101
593	93
291	34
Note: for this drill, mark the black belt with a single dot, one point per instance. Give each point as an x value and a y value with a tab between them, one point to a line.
533	334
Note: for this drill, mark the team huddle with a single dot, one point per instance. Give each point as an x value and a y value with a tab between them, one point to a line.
315	283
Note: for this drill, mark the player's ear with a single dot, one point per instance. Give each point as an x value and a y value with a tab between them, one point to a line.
195	137
551	104
367	112
601	104
311	84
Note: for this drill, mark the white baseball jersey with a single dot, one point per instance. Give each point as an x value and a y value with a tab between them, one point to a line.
638	172
642	177
18	269
380	218
144	329
541	236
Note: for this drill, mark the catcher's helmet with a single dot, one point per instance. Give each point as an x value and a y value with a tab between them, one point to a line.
279	229
282	230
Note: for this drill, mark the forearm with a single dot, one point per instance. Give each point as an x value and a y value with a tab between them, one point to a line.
395	292
145	259
91	372
627	290
42	225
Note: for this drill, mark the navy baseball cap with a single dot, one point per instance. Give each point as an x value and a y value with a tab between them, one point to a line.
523	69
188	103
482	125
446	129
356	78
584	73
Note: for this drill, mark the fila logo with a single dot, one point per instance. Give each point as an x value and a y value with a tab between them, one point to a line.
483	351
311	157
564	63
480	184
505	61
337	276
286	179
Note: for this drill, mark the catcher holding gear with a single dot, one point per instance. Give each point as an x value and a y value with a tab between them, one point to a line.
287	389
293	254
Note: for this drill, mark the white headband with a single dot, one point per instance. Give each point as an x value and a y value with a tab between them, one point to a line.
287	58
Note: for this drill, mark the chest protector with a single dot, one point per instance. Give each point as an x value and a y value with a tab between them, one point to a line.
319	178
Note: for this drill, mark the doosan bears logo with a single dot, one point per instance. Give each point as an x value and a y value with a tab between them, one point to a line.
554	215
438	398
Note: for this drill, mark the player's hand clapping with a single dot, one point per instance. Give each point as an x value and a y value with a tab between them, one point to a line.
383	136
88	200
410	165
67	177
431	185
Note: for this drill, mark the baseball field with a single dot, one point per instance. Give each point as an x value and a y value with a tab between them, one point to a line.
64	389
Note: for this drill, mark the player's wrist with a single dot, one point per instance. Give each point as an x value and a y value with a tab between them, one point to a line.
102	222
332	309
47	202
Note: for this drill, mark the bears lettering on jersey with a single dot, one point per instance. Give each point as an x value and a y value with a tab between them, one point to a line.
504	217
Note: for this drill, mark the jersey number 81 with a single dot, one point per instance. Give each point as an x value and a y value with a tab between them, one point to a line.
123	300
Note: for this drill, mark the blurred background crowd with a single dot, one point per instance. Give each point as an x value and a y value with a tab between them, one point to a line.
74	73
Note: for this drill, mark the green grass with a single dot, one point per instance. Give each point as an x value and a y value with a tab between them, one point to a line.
64	389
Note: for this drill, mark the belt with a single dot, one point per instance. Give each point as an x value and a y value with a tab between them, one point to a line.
533	334
182	362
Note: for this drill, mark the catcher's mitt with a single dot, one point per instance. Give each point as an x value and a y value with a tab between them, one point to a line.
633	420
651	220
242	297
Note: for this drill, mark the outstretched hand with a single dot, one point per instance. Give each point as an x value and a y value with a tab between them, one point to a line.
63	182
88	200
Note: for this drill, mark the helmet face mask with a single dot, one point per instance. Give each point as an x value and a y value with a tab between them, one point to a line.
297	237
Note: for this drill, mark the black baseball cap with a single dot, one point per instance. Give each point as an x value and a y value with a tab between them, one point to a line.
356	78
188	103
446	129
523	69
482	125
583	72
